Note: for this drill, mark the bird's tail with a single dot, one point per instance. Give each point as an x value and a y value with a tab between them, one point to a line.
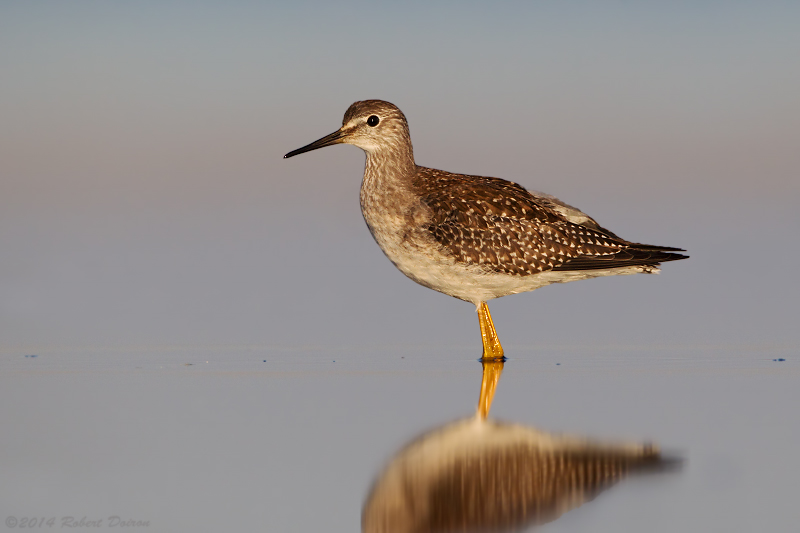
644	255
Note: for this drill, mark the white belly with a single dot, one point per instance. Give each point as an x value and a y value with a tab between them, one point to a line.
421	260
398	222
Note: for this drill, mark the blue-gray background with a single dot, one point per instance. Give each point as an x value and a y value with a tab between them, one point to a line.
144	201
220	344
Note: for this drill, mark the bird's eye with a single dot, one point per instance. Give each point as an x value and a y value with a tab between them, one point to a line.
373	120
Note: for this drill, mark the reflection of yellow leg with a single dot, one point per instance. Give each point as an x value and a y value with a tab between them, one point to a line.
491	344
491	375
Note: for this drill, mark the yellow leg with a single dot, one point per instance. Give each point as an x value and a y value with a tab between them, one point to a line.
491	375
491	344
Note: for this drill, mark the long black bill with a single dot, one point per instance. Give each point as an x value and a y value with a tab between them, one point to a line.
333	138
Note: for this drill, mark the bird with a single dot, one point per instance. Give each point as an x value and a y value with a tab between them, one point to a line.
475	238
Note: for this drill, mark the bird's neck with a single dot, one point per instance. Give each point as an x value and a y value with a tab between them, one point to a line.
387	189
394	162
391	168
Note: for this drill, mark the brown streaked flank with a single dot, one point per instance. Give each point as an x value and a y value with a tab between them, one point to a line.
473	237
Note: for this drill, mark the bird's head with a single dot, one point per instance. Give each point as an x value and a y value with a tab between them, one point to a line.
372	125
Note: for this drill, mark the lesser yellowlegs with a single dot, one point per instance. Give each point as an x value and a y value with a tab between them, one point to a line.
473	475
473	237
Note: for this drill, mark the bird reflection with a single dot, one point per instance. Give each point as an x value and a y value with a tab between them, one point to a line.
483	475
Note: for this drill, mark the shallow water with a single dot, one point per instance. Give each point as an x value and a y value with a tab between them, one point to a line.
213	439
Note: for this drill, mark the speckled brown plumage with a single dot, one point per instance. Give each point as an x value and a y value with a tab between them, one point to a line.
501	226
472	237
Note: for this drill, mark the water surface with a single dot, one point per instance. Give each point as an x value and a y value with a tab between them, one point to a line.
225	438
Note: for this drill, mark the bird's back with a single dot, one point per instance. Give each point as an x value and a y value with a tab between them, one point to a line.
499	225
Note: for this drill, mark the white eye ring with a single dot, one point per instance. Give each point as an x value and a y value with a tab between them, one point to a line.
373	120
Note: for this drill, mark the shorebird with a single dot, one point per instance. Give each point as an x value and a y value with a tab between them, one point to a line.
473	237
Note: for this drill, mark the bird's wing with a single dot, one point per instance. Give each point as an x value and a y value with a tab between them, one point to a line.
573	214
499	225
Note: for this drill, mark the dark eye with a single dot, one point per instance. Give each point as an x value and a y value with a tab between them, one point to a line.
373	120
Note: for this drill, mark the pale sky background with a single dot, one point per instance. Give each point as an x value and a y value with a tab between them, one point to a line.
144	200
187	290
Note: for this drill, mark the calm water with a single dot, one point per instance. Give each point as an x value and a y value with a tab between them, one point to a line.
144	201
219	439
